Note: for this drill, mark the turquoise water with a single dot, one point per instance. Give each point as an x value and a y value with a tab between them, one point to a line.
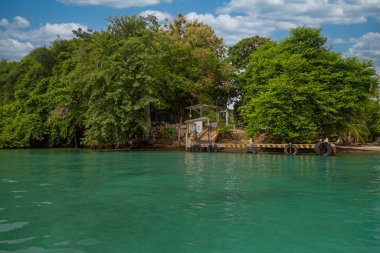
65	201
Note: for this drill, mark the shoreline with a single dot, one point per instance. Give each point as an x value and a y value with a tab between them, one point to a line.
365	149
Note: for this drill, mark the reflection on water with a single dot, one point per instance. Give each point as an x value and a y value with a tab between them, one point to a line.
194	167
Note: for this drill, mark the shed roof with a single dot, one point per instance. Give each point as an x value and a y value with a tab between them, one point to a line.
202	106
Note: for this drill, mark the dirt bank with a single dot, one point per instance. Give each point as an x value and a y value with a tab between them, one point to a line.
372	149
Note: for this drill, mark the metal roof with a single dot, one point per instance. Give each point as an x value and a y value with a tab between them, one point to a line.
202	106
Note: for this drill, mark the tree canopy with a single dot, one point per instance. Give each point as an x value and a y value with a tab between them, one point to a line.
103	89
298	90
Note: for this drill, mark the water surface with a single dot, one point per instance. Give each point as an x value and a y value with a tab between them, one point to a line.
71	201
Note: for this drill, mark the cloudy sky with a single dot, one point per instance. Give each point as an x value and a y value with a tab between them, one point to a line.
352	26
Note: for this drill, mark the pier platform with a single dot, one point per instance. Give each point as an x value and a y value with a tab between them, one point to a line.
288	149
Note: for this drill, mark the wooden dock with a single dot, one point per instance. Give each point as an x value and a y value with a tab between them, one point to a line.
288	149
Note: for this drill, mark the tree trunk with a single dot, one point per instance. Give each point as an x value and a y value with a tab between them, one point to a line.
349	139
148	122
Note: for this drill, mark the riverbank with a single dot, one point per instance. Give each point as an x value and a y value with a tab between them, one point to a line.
368	149
375	149
174	146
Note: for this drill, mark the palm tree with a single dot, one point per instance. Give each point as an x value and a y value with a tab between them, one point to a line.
355	133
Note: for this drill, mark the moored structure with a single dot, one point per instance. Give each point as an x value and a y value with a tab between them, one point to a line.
202	134
203	129
321	148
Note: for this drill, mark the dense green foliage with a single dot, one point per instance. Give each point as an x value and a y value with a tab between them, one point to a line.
102	88
297	90
239	56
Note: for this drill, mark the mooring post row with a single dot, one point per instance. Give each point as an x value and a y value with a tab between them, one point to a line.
321	148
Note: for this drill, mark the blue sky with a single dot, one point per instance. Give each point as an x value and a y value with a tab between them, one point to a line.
352	26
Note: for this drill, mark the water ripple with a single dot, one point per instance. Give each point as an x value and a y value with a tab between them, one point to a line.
8	181
43	203
42	250
17	241
63	243
12	226
87	242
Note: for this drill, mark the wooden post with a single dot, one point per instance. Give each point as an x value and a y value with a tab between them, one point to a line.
179	135
217	117
187	138
227	116
209	129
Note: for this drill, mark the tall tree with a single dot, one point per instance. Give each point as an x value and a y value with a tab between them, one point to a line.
239	54
204	67
298	90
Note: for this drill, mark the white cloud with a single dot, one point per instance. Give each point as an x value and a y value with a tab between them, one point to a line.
44	34
17	41
20	22
4	22
161	16
115	3
238	19
13	49
339	41
367	47
49	32
235	28
309	12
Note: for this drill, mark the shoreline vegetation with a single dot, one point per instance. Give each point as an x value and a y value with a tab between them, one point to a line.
111	89
369	149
